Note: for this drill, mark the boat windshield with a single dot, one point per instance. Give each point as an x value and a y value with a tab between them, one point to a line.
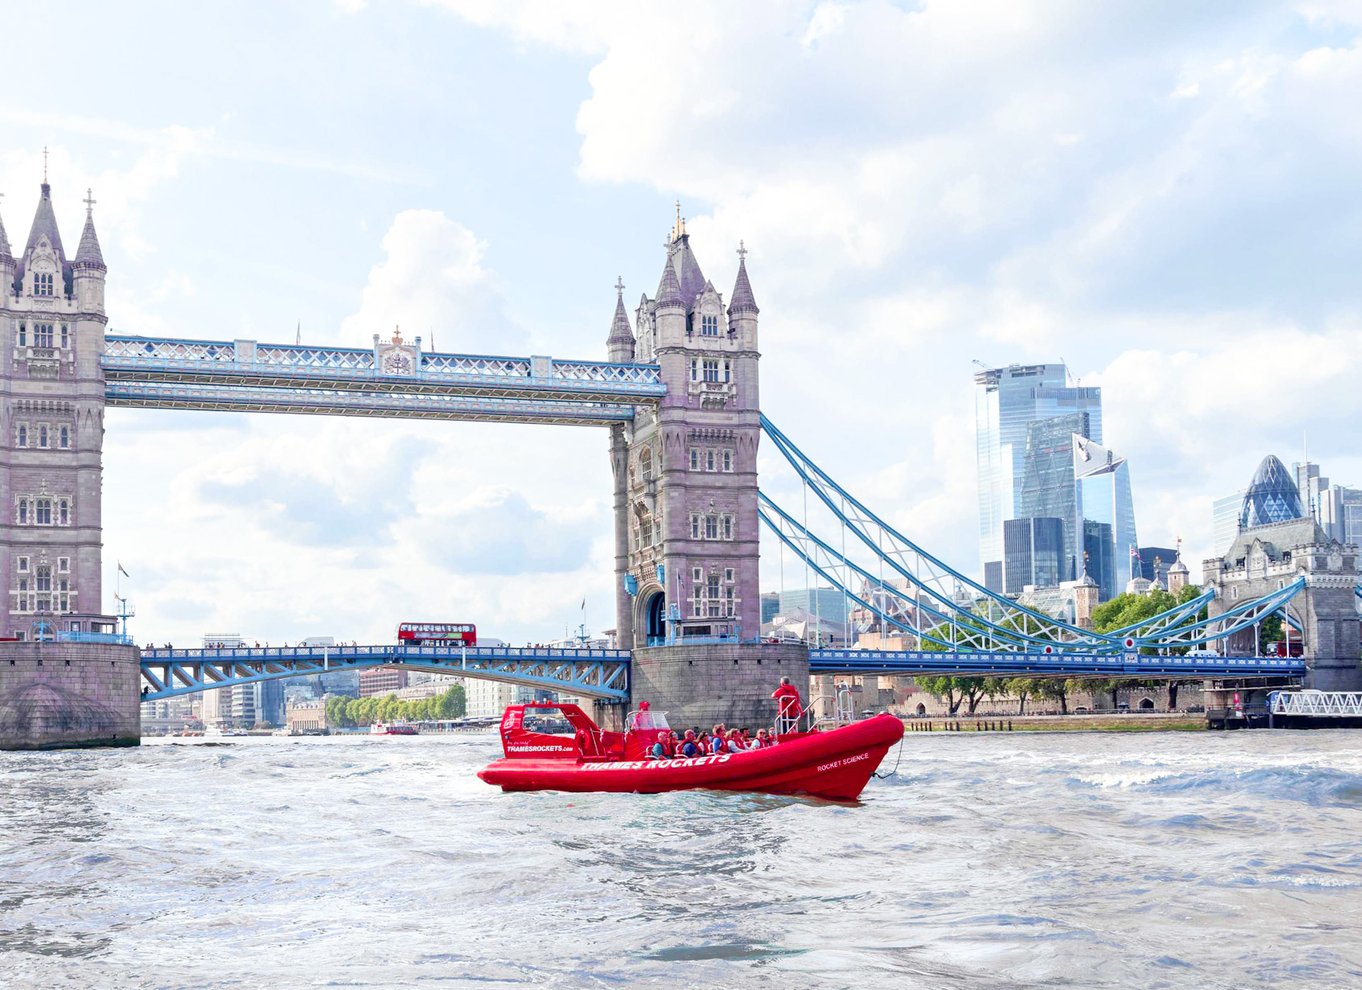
647	719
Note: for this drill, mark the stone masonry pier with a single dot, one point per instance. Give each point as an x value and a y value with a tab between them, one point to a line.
724	682
58	695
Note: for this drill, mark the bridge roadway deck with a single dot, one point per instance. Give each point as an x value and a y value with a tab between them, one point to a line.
167	673
604	674
990	664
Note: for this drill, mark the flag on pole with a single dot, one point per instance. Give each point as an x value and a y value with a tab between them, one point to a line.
583	604
121	571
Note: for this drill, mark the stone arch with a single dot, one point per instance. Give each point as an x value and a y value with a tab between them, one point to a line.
650	614
921	708
1146	704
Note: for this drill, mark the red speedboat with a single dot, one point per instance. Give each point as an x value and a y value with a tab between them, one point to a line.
835	763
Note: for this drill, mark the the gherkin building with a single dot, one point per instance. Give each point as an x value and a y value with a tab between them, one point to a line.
1272	496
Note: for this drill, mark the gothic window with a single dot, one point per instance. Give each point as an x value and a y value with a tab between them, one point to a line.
711	527
42	334
42	436
42	513
22	602
65	335
728	460
729	609
728	525
43	586
695	369
42	284
695	458
697	607
711	368
709	326
22	515
645	464
64	438
709	460
22	338
63	565
695	525
645	531
63	595
728	371
23	565
63	512
712	594
21	435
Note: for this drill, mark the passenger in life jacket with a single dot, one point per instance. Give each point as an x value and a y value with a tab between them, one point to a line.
689	747
658	750
717	740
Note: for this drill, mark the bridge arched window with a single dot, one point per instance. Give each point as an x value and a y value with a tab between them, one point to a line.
645	463
64	438
63	595
21	435
43	586
21	336
42	284
42	512
42	335
22	512
709	326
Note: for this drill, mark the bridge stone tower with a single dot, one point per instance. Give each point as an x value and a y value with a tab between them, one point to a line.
51	444
686	526
1264	559
53	433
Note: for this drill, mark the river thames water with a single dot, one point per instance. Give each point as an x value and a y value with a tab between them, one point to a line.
991	861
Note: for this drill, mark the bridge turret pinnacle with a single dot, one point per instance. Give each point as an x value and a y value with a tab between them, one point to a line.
742	300
88	254
6	261
620	344
4	242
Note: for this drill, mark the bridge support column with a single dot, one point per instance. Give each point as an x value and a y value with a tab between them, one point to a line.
59	695
725	682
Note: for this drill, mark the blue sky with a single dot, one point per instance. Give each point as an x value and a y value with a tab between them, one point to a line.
1162	194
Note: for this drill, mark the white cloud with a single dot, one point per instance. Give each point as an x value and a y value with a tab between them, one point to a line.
432	281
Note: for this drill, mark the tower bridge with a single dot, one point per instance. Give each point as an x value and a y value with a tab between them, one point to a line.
678	396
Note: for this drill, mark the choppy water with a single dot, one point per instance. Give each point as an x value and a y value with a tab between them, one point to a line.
998	861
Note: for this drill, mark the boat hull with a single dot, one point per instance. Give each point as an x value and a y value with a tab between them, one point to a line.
835	764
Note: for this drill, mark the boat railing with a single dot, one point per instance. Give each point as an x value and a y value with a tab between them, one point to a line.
843	709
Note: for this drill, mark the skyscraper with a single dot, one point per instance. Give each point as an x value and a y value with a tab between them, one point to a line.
1103	497
1008	401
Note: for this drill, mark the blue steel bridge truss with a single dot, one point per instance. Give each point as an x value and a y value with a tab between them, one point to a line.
906	588
604	674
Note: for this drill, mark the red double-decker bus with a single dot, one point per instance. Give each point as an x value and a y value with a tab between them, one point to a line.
437	634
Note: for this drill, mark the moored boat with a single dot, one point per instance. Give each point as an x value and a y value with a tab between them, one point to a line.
834	763
389	729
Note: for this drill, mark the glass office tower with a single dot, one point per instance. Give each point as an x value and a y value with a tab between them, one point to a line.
1103	496
1008	401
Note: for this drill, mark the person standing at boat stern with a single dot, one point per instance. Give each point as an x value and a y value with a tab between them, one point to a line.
788	706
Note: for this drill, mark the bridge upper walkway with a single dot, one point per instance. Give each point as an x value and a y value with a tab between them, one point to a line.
244	375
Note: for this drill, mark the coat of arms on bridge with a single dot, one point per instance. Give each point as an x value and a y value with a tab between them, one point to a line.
397	357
